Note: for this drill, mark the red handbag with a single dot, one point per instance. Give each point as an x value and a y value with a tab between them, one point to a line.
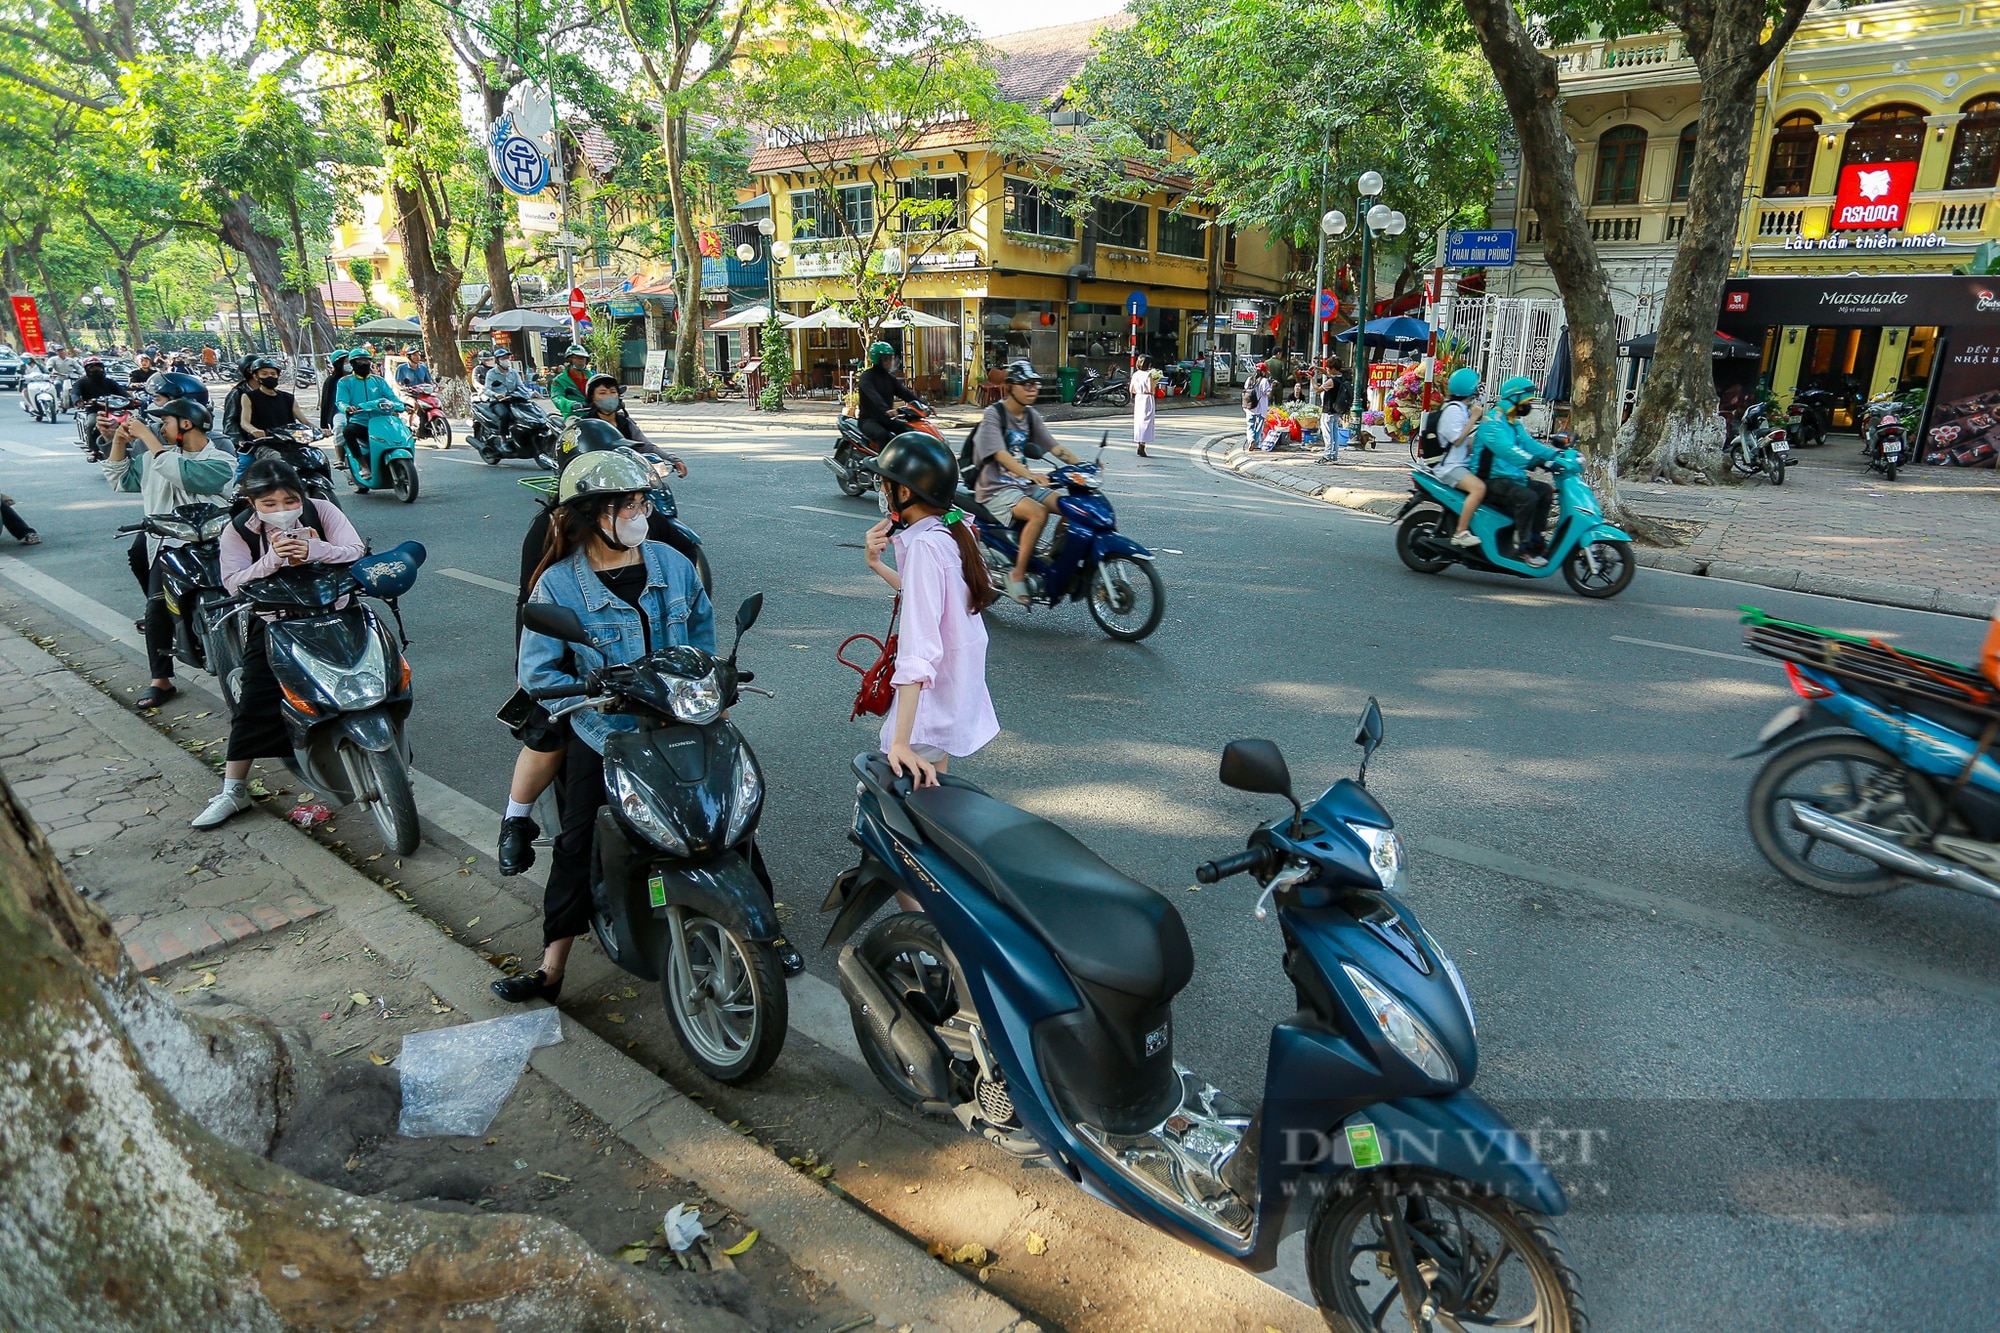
876	692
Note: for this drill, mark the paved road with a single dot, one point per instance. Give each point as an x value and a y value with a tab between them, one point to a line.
1558	763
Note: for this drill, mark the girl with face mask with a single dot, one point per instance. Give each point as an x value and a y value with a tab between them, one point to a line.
633	596
275	525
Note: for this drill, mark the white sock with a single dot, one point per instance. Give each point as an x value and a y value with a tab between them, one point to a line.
519	809
237	787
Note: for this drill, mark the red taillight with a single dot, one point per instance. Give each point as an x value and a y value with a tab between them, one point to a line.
1891	421
1804	688
1777	435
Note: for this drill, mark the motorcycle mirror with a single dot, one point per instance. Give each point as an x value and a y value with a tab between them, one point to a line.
1368	735
557	622
1259	766
746	616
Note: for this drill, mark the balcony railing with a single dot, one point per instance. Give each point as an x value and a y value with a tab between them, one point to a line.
1777	223
1621	55
1677	225
1623	228
1962	217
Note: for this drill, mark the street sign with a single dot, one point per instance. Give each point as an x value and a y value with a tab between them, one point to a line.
582	325
654	376
537	215
1480	249
566	240
1135	304
520	166
1328	306
29	320
577	309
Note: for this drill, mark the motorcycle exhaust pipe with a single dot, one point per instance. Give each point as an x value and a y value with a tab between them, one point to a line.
1891	855
899	1034
846	475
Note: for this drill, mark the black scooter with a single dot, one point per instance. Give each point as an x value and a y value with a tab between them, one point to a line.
294	445
677	893
530	435
204	637
1811	415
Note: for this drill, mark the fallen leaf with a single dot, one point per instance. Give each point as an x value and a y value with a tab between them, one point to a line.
470	859
470	924
207	979
615	1018
970	1254
376	857
1037	1244
550	1175
199	716
986	1273
741	1246
373	1058
491	1142
629	993
635	1253
822	1172
359	997
352	1162
911	1189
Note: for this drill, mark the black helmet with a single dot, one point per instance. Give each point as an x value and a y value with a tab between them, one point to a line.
175	384
267	475
195	414
247	366
593	433
262	363
923	463
1022	372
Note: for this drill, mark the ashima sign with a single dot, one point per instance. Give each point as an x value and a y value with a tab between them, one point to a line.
1873	194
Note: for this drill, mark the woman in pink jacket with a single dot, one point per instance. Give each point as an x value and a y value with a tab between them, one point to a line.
942	710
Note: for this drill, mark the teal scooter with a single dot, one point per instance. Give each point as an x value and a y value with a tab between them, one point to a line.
1594	556
392	461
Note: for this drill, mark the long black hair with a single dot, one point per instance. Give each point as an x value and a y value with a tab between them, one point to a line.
569	527
978	586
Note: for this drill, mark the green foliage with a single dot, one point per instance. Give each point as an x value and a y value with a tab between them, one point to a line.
1985	260
776	349
606	344
680	393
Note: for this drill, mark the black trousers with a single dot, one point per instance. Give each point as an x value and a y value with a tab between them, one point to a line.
258	729
878	431
566	904
159	623
17	527
1526	502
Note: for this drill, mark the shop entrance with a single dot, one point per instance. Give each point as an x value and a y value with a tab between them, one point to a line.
1840	361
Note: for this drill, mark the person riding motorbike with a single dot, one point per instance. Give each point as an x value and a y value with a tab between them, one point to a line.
179	465
571	386
336	370
1009	433
634	596
171	384
143	371
1456	422
880	387
361	389
482	366
413	371
264	407
504	380
1504	451
64	367
95	382
607	403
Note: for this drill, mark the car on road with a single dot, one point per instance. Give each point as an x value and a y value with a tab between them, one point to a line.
10	369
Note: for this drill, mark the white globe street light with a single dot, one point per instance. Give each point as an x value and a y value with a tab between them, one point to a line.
1379	217
746	252
780	250
1397	223
1333	222
97	291
1369	185
765	226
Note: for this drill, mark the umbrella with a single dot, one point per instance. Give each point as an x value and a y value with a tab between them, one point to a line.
752	317
1556	388
521	321
389	324
1726	348
1401	333
907	317
829	318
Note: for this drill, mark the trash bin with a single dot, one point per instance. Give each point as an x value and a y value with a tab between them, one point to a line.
1067	378
954	383
1197	378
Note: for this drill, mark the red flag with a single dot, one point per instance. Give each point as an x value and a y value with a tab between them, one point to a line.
29	320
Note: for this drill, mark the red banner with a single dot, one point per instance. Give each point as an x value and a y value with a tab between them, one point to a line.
1873	195
29	321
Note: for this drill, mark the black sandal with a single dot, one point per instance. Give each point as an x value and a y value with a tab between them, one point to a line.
156	695
525	986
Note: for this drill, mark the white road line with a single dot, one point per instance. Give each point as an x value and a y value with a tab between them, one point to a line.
841	513
1698	652
465	576
29	451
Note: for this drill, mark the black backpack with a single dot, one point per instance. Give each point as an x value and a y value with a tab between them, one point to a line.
1429	447
1250	395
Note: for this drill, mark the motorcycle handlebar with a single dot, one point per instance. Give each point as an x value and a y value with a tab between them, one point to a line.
558	692
1257	858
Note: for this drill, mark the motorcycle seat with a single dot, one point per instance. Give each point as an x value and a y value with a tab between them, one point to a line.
1106	928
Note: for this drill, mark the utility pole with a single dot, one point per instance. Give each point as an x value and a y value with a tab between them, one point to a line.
1319	269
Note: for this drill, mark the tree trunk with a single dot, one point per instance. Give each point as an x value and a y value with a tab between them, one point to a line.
131	299
266	260
124	1211
499	274
688	316
51	306
1527	81
434	278
318	320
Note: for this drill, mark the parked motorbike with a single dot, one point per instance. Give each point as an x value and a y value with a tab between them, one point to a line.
677	894
38	395
852	448
1883	442
295	445
1094	388
1595	557
1811	417
532	435
98	419
1084	558
392	462
1886	773
1757	446
1032	998
345	683
191	584
427	418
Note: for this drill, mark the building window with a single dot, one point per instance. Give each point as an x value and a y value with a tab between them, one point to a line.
1975	148
1788	173
857	210
1886	134
1119	223
1229	245
1621	153
1038	210
942	200
1684	163
808	216
1183	234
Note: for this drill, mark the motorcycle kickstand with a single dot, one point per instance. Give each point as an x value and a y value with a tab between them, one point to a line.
1419	1305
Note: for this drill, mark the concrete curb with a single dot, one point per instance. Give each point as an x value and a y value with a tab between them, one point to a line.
840	1242
1385	504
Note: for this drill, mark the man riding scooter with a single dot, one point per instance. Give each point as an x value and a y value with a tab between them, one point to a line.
1010	432
1503	452
880	387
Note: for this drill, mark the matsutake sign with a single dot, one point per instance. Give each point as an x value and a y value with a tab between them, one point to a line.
1873	194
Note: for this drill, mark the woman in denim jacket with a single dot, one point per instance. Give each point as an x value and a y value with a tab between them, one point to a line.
633	596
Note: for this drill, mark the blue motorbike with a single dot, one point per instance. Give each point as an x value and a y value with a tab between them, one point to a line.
1885	773
1031	999
1595	557
1088	559
392	461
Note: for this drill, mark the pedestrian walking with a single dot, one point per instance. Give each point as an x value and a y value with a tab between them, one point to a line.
1256	403
17	527
1143	403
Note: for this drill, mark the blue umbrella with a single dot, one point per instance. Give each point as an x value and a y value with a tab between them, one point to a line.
1400	332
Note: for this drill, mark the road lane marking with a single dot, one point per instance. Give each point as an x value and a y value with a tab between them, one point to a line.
1736	926
841	513
466	576
1698	652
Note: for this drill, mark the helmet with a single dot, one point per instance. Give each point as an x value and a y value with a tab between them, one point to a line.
262	363
1263	367
174	384
90	361
246	366
1464	382
1516	391
267	475
601	381
361	354
879	352
1022	372
604	472
593	434
576	350
923	463
338	358
195	414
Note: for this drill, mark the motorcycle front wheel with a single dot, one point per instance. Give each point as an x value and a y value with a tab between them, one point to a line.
1488	1262
403	478
1600	569
1846	775
725	997
395	805
441	430
1127	597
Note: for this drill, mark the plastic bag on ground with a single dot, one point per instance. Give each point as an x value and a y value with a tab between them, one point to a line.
455	1079
683	1227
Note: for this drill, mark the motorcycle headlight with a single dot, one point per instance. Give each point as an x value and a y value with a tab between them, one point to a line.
1457	981
642	810
695	702
362	685
176	528
749	790
212	529
1404	1030
1385	855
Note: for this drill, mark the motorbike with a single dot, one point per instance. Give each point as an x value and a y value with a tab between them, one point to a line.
1811	417
1093	388
427	418
677	893
1595	557
98	419
346	686
192	587
1757	446
38	396
852	449
1884	774
1083	557
1032	1001
392	462
295	445
532	435
1883	442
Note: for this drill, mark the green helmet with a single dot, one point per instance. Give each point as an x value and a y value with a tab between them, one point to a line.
603	472
1464	382
879	352
1516	391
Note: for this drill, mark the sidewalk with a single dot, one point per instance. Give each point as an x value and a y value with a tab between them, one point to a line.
1929	540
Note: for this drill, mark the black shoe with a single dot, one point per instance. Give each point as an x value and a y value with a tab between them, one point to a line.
517	844
155	695
525	986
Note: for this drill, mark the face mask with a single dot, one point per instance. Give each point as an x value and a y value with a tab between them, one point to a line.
629	532
269	381
609	403
282	519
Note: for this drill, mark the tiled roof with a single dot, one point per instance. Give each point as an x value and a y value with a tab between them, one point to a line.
767	160
1037	64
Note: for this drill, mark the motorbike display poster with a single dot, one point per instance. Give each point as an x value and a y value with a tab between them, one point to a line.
1964	426
29	320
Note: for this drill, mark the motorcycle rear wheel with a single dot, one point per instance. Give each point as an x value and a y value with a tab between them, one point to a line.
403	479
1613	575
725	997
910	956
1889	471
1118	605
1841	774
1777	470
1422	526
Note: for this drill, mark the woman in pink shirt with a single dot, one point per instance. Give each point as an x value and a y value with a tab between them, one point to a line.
942	708
275	526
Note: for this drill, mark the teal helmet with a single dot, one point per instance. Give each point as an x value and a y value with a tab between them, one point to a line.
1516	391
1464	382
879	352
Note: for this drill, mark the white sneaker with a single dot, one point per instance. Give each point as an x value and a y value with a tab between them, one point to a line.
1465	539
223	808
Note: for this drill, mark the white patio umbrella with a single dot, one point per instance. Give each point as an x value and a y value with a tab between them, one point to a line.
830	318
520	321
909	317
389	324
753	317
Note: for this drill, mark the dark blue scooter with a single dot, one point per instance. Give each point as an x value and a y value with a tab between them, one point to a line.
1032	1000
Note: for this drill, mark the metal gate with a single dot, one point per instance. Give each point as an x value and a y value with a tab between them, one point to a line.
1507	336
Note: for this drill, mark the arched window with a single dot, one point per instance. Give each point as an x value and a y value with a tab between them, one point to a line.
1886	134
1788	172
1975	148
1621	153
1684	162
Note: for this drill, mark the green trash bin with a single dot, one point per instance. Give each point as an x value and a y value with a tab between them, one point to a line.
1067	378
1197	378
954	383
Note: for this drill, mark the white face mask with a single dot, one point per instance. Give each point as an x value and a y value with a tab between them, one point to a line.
630	531
282	519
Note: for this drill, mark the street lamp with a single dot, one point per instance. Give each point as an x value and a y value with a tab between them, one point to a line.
1382	219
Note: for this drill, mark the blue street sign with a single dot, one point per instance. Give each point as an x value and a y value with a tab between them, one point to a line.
1328	306
1135	304
1479	249
520	166
583	326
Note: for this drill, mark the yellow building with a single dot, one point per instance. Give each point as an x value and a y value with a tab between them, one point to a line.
374	239
1012	274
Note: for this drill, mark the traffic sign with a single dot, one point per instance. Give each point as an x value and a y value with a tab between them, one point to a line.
582	325
1328	306
1479	249
1135	304
520	166
577	309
